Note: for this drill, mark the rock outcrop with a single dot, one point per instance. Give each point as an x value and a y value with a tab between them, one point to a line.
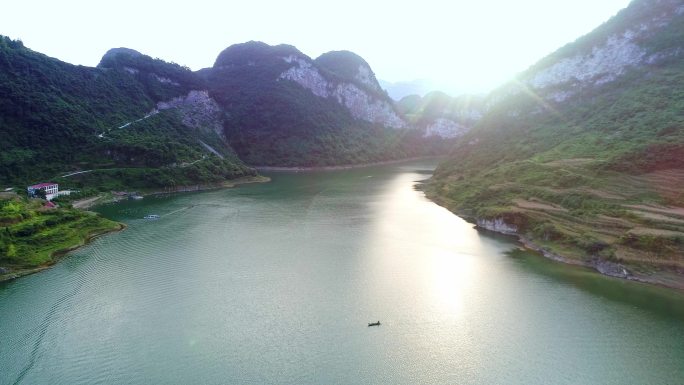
199	111
360	93
445	128
498	225
281	108
604	56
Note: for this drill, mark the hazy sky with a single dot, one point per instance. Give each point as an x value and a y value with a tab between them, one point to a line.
471	45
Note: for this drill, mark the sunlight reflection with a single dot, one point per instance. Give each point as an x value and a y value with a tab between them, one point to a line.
431	239
451	277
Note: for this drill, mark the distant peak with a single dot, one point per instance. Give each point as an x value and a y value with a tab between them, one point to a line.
254	51
437	95
347	57
122	51
349	66
115	56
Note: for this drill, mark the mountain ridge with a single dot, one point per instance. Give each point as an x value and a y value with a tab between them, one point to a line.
57	117
267	105
286	109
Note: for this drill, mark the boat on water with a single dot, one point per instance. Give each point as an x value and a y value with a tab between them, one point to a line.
152	216
374	323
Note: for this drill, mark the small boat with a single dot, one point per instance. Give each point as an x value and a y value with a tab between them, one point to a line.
152	216
374	323
135	197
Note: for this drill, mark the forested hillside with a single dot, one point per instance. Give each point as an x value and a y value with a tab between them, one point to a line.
56	117
135	121
582	154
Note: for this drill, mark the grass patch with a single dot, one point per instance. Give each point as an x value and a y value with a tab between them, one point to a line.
42	233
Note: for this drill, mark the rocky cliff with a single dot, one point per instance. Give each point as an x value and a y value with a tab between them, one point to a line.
198	111
284	109
643	35
353	87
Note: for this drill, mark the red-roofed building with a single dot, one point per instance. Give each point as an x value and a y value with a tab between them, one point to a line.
51	190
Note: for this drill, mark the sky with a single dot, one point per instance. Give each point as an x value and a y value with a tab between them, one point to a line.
462	46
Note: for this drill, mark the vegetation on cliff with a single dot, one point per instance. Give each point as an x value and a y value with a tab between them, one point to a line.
595	177
272	121
56	117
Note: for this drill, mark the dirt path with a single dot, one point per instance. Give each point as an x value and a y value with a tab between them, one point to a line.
537	205
85	203
76	173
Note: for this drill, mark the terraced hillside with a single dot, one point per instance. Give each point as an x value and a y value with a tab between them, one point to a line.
582	155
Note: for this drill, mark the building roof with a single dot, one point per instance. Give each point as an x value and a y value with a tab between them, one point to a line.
42	185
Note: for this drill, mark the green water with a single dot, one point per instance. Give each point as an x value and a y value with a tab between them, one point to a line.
275	284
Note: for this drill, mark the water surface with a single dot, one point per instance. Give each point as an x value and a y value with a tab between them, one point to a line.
275	284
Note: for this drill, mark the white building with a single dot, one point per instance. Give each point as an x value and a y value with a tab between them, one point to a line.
51	190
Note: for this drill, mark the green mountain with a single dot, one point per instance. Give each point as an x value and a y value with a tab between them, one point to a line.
438	114
582	154
138	122
56	117
284	109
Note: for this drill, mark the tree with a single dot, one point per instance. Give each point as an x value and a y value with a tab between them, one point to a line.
40	194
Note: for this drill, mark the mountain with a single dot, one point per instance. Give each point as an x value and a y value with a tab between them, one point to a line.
421	87
56	117
438	114
402	89
582	154
134	121
284	109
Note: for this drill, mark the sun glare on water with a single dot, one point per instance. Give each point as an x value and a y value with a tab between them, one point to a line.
451	277
442	254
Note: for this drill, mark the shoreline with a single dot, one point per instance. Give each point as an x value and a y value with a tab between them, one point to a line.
104	198
57	255
212	186
87	203
342	167
603	267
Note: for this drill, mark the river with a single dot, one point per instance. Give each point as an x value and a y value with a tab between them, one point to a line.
275	283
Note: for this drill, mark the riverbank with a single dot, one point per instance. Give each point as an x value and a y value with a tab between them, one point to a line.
64	237
103	198
57	255
651	275
343	167
35	238
668	279
326	253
